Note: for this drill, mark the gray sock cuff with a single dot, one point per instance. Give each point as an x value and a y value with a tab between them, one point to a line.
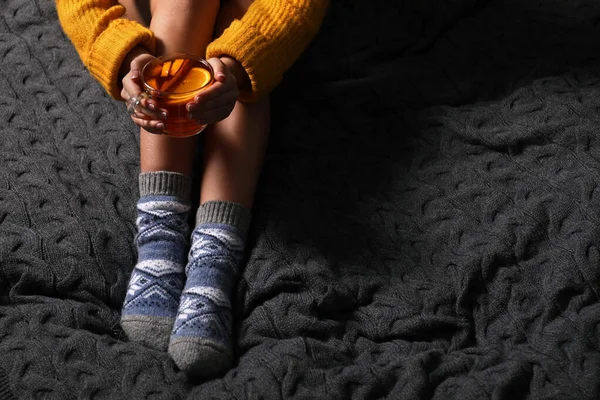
165	183
225	212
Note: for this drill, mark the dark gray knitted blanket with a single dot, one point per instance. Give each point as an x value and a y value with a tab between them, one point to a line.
427	224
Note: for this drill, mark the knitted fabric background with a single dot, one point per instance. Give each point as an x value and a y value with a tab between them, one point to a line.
427	224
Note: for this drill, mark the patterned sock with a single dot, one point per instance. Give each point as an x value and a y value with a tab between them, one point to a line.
157	280
201	342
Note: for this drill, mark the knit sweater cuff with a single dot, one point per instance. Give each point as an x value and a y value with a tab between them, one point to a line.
252	50
110	49
268	40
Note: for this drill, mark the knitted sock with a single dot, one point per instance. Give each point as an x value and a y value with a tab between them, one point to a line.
201	342
157	280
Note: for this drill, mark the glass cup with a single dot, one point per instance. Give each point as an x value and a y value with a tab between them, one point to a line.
173	81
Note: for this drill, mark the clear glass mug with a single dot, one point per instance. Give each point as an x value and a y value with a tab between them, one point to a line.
173	81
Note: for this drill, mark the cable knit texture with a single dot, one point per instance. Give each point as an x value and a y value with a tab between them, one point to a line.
427	224
267	40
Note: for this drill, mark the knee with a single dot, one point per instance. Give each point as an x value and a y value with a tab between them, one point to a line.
231	10
137	10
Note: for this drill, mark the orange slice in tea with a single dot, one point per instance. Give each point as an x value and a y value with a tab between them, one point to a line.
177	63
165	69
199	75
196	78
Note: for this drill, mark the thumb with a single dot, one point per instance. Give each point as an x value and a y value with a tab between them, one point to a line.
219	69
138	63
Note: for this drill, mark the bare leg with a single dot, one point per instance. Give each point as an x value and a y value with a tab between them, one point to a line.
157	280
235	147
179	26
233	154
234	150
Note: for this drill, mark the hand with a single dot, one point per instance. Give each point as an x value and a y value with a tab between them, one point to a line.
146	114
216	102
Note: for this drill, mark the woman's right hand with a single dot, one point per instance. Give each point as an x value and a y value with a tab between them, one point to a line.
145	113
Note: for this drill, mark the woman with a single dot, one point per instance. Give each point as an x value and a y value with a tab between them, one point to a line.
179	293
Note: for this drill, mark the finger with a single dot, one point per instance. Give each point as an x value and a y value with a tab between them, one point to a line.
150	108
135	74
134	69
137	64
131	87
131	92
124	94
220	70
140	108
213	91
227	100
217	90
152	126
140	114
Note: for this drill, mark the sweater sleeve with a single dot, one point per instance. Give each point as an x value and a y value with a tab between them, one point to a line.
102	37
268	39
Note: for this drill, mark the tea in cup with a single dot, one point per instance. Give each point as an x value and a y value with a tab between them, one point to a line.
173	81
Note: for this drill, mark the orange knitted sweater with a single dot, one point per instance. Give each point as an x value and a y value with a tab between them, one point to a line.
266	41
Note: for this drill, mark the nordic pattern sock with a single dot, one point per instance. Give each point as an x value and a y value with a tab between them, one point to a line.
162	241
201	342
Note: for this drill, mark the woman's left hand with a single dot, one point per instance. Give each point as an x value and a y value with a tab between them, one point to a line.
216	102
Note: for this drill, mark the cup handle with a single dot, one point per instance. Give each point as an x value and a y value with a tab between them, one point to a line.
134	105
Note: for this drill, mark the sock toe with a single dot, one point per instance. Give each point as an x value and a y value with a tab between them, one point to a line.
200	357
151	332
